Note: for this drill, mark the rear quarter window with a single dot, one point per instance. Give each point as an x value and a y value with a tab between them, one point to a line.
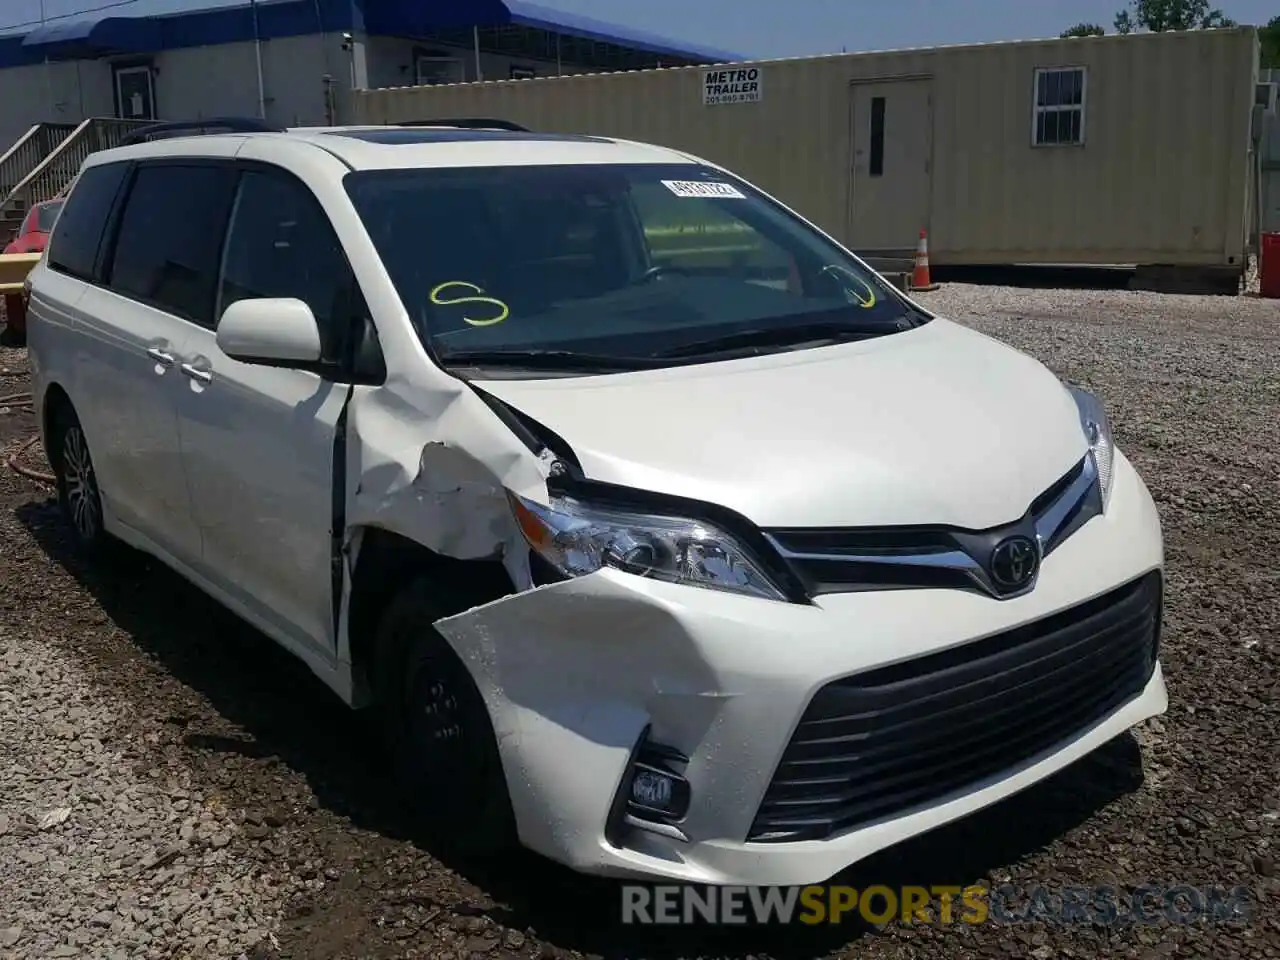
77	235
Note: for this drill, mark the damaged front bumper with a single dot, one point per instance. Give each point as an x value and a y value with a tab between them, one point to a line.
584	676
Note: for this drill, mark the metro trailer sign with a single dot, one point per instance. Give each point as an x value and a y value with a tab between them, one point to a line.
742	85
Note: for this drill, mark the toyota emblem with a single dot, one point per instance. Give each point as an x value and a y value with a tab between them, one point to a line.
1014	563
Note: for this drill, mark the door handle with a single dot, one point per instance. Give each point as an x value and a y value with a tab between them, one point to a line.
159	356
195	373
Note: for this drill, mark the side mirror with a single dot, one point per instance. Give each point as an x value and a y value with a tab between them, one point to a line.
274	332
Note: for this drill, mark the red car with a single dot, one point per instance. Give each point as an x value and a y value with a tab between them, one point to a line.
35	230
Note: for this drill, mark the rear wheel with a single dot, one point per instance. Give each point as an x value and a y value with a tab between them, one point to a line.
437	729
77	481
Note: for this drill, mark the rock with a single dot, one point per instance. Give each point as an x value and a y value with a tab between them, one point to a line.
9	936
160	858
55	817
179	904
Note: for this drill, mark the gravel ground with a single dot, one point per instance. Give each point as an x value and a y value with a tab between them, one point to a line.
172	785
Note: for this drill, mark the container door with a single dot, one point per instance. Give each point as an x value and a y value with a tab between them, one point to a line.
892	151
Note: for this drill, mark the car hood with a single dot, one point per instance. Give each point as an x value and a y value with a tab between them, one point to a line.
938	425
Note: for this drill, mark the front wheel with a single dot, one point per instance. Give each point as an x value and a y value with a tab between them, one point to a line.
77	482
437	729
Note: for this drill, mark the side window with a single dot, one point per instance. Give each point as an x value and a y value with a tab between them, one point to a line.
699	235
166	251
281	244
1059	112
77	234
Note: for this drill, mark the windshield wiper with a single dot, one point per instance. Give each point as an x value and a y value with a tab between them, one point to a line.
779	336
544	360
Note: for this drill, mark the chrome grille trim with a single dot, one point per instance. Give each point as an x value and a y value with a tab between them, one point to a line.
1055	515
1048	524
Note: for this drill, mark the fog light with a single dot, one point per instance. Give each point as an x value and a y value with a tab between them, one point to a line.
652	795
653	790
657	793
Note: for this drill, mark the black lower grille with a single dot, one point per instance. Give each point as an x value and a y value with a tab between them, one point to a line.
884	742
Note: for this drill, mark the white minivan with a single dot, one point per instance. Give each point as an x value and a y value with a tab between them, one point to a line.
663	534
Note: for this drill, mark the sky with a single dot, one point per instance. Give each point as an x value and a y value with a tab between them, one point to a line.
788	28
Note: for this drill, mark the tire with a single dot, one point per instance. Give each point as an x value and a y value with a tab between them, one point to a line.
78	495
437	730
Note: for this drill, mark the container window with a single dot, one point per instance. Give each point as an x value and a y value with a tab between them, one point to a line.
1059	97
877	136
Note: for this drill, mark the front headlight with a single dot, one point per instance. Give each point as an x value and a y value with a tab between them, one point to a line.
577	539
1097	430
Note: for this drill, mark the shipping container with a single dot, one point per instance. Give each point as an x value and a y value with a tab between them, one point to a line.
1102	150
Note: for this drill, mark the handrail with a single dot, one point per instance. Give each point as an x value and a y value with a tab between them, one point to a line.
63	163
17	144
28	150
21	145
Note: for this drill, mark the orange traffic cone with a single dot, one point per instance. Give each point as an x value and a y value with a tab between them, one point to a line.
920	276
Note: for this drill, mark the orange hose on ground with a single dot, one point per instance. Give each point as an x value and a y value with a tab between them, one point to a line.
39	476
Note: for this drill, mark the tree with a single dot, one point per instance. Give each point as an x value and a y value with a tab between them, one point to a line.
1269	40
1158	16
1083	30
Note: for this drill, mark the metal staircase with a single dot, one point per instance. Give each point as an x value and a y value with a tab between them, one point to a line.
24	156
46	159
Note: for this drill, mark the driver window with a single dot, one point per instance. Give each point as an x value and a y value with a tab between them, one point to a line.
694	235
281	244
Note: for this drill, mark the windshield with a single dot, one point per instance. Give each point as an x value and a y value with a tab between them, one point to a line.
623	263
46	216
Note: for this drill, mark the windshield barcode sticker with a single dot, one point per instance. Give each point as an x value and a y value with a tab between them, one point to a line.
703	188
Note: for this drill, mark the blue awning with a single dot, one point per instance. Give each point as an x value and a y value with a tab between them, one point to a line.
539	17
145	26
417	17
65	31
108	33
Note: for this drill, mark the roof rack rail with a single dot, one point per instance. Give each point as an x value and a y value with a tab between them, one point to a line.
214	124
468	123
